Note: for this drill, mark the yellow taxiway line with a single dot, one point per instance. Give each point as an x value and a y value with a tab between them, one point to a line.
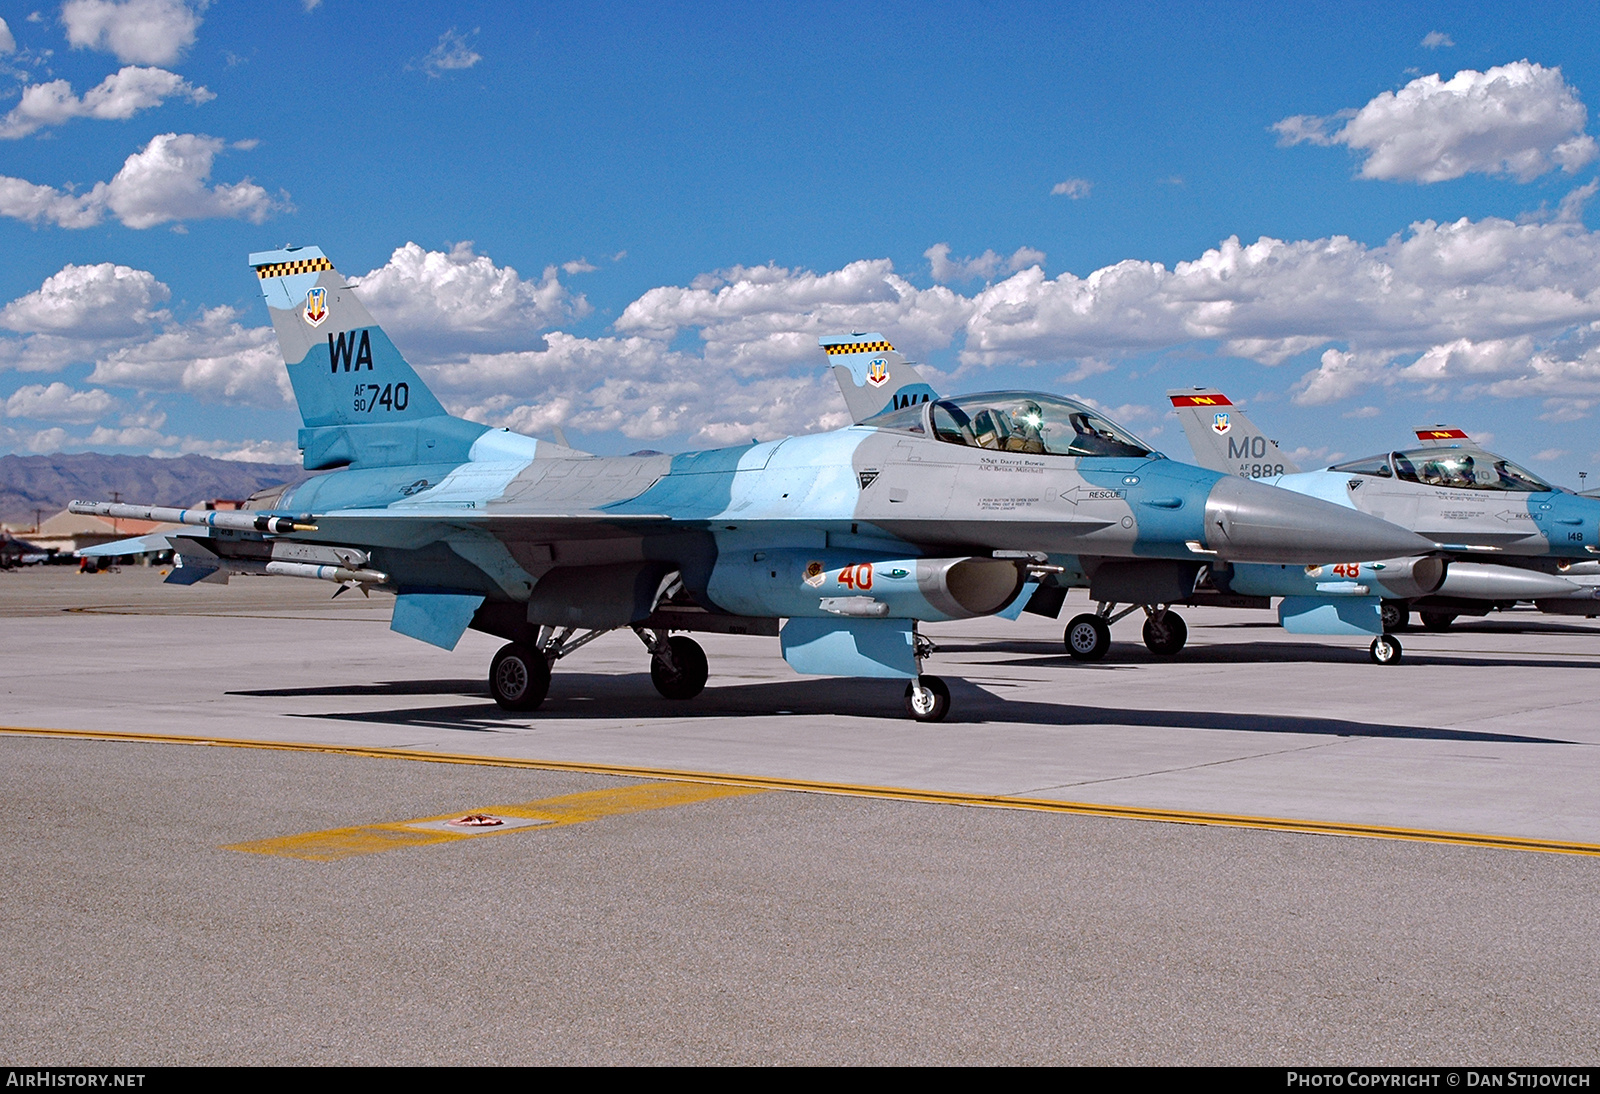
887	793
558	812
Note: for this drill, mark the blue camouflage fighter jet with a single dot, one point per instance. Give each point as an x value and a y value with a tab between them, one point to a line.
927	509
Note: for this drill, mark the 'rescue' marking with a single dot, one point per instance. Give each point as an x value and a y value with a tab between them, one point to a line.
888	793
370	839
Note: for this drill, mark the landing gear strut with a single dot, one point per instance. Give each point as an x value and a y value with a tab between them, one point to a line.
1088	636
927	697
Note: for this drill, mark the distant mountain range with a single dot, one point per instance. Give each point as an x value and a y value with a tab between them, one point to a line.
47	483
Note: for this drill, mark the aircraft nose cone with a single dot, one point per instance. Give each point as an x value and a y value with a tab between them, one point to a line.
1249	522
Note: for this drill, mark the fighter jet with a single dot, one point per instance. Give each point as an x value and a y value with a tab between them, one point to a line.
15	551
927	509
1475	504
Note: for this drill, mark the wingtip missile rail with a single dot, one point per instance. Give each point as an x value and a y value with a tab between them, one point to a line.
230	519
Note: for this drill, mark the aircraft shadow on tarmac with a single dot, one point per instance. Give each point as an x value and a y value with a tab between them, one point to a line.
577	696
1125	655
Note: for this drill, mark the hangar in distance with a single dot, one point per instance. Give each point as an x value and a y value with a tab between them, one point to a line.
838	543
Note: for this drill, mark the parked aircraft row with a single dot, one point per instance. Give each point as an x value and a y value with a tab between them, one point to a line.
926	508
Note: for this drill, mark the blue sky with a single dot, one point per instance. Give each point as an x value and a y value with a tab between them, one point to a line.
633	221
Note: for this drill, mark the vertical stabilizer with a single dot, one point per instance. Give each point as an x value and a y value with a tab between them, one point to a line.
1225	440
344	369
873	376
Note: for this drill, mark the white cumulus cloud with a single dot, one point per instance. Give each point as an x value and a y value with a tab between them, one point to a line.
148	32
119	96
766	319
1434	39
59	402
1520	119
639	387
212	357
164	182
89	302
1072	188
8	42
456	301
451	53
985	266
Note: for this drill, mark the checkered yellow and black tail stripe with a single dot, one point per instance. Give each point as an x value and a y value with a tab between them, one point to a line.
859	347
288	269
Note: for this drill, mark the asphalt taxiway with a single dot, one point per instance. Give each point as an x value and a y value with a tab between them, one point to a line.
1147	885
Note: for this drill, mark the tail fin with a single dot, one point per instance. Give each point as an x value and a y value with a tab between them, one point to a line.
873	376
344	369
1225	440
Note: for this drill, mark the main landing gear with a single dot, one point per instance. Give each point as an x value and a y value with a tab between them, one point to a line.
519	675
677	665
1088	636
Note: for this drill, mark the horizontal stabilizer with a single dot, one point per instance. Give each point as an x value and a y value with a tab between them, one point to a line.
439	619
138	545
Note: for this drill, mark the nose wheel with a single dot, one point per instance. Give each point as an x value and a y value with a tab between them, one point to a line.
927	699
1386	650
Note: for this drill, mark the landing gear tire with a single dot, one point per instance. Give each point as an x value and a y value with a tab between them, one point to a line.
688	674
1385	650
1438	621
1166	634
519	677
1395	614
1088	637
927	699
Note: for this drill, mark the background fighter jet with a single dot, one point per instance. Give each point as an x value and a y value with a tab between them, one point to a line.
19	552
1475	504
928	510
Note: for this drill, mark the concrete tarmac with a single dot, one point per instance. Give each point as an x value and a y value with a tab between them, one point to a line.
784	927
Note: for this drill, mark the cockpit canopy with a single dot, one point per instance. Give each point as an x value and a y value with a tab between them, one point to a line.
1455	468
1016	421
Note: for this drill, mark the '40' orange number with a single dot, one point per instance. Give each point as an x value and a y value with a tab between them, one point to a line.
858	576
